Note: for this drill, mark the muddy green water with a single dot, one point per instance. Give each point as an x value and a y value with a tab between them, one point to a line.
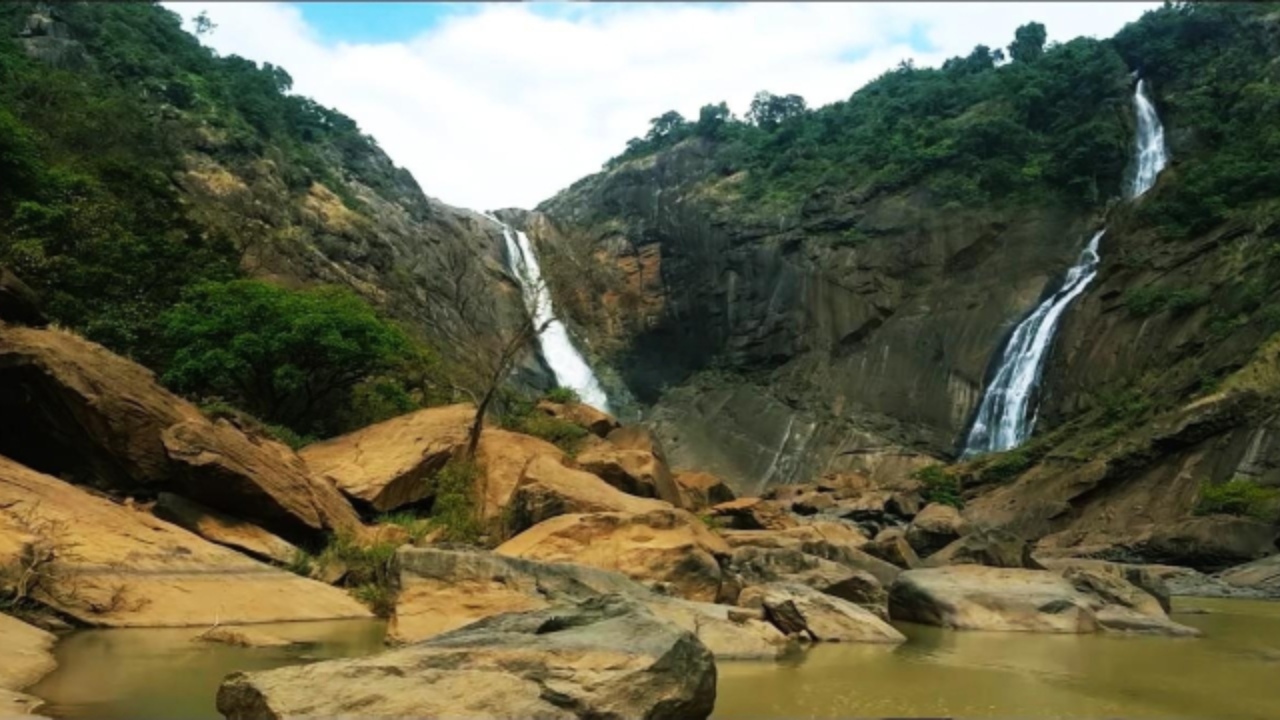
1232	672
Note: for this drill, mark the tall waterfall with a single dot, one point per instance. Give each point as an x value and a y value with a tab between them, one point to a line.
1007	413
567	364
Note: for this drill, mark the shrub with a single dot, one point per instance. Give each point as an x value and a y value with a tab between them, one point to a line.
1005	466
1239	496
559	432
454	509
563	395
940	486
301	564
369	574
416	526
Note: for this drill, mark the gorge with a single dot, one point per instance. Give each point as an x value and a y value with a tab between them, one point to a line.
792	413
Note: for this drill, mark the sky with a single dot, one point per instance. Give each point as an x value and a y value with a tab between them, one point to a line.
494	105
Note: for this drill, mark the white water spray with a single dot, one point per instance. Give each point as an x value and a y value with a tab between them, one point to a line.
567	364
1007	414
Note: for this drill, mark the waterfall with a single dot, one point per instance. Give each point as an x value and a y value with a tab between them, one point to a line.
1007	413
567	364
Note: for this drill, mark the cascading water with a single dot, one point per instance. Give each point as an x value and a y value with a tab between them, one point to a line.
567	364
1007	413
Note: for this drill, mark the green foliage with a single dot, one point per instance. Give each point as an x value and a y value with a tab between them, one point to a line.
520	414
940	486
301	563
284	355
416	526
1028	43
1005	466
563	395
369	574
455	509
219	409
1239	496
1151	299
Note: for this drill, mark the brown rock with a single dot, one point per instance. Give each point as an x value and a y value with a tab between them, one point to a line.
795	608
390	465
935	527
242	637
502	457
635	472
548	489
835	541
1261	575
223	529
993	548
26	657
759	566
974	597
1211	543
660	546
608	657
19	304
594	421
891	546
812	503
753	514
118	567
702	489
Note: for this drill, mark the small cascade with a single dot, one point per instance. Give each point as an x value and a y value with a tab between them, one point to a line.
1007	414
566	363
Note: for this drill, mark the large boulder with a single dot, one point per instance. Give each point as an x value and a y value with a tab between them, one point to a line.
112	565
993	548
891	545
635	472
760	566
502	458
835	541
389	465
974	597
1149	579
223	530
608	657
1211	543
27	657
70	408
703	490
1260	575
935	527
594	421
668	547
445	589
753	514
548	488
795	608
19	304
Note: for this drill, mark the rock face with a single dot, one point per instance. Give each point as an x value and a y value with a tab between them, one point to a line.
606	657
27	657
797	608
934	528
547	489
671	547
113	566
68	407
389	465
223	530
972	597
703	489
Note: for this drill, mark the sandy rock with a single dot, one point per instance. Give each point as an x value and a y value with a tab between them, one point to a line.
703	490
835	541
242	637
661	546
1149	578
118	567
594	421
606	657
27	656
729	633
635	472
548	489
934	528
753	514
1261	575
974	597
891	546
795	608
223	529
993	548
759	566
503	457
389	465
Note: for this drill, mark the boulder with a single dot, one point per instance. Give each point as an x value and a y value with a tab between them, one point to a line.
635	472
935	527
813	503
70	408
753	514
1117	618
27	657
1211	543
389	465
503	457
794	608
974	597
993	548
1149	578
111	565
1123	606
1260	575
594	421
835	541
445	589
891	546
607	657
223	529
243	637
547	489
661	546
759	566
19	304
702	490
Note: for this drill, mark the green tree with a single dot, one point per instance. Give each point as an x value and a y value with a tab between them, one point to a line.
666	125
287	356
712	119
1028	43
768	110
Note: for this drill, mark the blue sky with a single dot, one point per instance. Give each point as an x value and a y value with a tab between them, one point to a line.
495	105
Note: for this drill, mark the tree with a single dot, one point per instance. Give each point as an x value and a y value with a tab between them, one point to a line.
286	356
666	124
1028	43
711	118
768	110
204	25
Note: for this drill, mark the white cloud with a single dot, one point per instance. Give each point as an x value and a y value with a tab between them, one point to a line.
505	106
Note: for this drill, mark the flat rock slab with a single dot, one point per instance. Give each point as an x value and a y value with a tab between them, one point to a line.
608	657
120	567
974	597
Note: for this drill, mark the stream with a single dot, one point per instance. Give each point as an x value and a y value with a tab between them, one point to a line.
154	673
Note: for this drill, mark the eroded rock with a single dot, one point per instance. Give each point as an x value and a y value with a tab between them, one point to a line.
635	472
703	490
751	513
795	608
548	489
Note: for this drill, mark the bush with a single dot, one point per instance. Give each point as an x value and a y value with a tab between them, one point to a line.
416	526
562	395
455	508
1005	466
1239	496
940	486
369	574
559	432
